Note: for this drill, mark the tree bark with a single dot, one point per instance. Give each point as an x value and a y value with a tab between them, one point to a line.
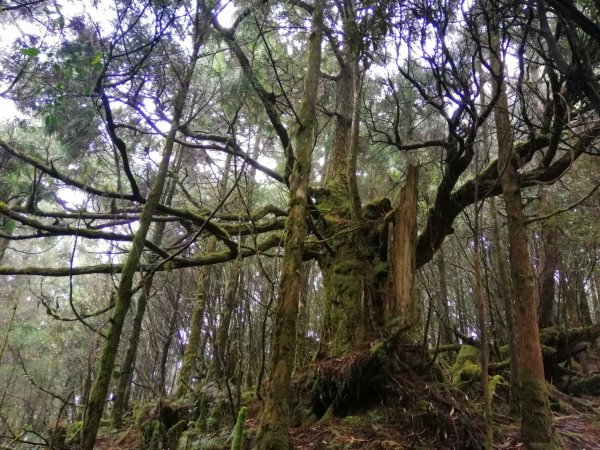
446	336
403	251
276	411
537	429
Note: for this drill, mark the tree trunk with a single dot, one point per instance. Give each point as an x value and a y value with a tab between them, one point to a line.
537	429
505	292
126	372
276	411
446	336
99	390
191	352
549	256
106	365
230	302
403	252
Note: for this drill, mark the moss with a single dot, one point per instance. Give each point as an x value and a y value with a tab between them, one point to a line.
152	438
238	430
275	440
73	431
494	382
193	439
352	421
536	427
247	397
466	368
173	434
378	347
504	351
548	351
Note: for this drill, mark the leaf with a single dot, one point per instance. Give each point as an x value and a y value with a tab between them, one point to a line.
50	121
97	60
31	51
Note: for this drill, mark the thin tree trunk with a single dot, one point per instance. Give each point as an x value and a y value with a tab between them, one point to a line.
230	301
99	390
505	292
162	380
482	318
446	332
276	411
126	373
191	352
549	257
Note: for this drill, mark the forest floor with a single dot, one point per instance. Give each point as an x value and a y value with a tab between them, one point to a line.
416	413
579	429
425	426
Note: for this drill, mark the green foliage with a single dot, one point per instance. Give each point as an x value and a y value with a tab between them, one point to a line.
31	51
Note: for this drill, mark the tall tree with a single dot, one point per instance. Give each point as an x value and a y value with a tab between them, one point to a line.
276	412
537	428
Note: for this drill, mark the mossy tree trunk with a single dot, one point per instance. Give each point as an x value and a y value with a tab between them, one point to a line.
189	362
192	350
222	362
276	410
127	367
96	401
351	296
106	364
537	429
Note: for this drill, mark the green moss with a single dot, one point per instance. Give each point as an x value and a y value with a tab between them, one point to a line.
536	427
378	347
238	430
493	383
174	433
380	267
466	368
352	421
73	431
504	352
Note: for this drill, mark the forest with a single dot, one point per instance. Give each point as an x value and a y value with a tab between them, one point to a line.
296	224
